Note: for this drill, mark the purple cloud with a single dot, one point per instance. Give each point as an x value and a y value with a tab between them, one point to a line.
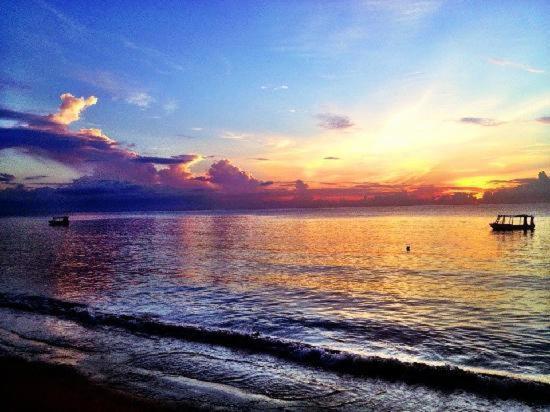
528	190
333	121
87	149
231	179
481	121
71	148
91	150
29	119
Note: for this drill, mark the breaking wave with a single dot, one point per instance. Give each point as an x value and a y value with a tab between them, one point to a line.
445	377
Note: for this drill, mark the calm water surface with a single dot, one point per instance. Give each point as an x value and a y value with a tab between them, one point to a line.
330	279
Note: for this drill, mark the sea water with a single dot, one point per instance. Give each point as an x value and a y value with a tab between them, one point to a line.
288	309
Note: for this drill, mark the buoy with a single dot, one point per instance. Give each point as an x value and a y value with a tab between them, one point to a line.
408	248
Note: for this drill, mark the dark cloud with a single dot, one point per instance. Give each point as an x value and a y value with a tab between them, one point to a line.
529	190
95	194
106	162
544	119
333	121
481	121
302	193
89	194
230	178
37	177
89	186
331	158
91	150
6	178
30	119
69	148
174	160
84	150
375	185
109	161
300	186
520	181
261	159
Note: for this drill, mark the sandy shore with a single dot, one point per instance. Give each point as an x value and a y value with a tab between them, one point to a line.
38	386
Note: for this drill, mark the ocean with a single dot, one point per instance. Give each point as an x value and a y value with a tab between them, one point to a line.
288	309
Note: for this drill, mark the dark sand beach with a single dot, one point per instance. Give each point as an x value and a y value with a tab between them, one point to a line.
28	385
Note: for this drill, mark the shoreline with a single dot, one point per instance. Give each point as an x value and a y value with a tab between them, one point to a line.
38	385
436	376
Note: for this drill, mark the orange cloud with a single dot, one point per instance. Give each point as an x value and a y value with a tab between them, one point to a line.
71	108
97	133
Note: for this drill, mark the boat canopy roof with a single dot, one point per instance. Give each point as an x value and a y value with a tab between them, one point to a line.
516	216
60	217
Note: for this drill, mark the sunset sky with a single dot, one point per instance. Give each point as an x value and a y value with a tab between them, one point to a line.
451	94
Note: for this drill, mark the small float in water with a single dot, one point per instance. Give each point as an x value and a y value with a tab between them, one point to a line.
514	222
59	221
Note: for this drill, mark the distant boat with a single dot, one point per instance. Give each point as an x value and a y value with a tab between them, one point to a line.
59	221
514	222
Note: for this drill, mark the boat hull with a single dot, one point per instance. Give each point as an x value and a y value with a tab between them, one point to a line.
503	227
54	223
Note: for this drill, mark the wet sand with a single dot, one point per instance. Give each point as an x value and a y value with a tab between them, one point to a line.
28	385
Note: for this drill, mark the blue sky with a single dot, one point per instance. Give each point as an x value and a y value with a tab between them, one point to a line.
247	79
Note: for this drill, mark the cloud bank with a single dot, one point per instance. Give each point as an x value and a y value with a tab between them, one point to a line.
93	194
532	190
114	177
95	154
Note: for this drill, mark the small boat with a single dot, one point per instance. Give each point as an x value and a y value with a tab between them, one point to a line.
59	221
514	222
